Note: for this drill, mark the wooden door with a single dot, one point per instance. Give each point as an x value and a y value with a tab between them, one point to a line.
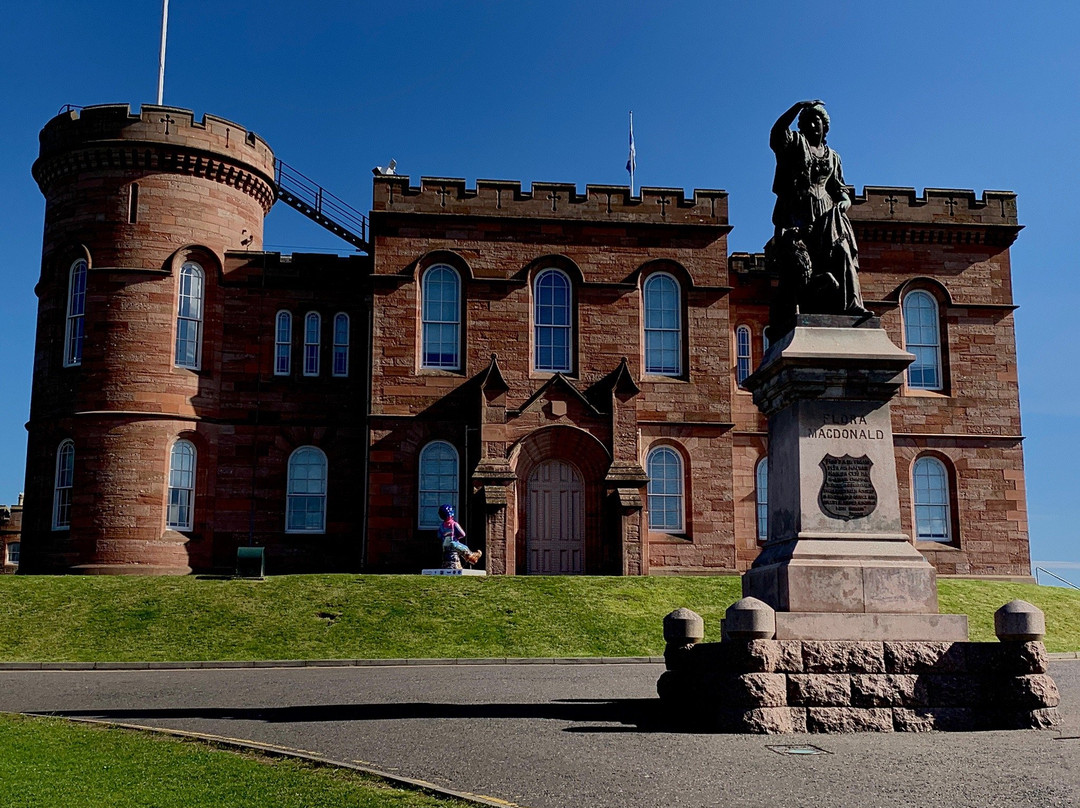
555	520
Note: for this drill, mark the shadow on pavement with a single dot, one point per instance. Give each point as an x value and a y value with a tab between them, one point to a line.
631	715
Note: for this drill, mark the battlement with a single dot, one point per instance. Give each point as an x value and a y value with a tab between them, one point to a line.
157	138
939	206
549	200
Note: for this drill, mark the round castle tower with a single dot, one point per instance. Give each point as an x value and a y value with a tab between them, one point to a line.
140	209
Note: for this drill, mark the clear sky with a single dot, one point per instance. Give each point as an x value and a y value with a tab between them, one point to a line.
980	95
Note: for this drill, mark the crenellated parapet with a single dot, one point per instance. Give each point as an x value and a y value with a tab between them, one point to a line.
549	200
157	138
936	205
939	216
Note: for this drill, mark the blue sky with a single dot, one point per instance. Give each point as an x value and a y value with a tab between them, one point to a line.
981	95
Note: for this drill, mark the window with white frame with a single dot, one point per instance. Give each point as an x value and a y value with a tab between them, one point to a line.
665	469
742	353
663	325
181	485
441	318
922	337
341	344
189	316
64	481
76	314
305	510
552	321
13	553
312	336
438	482
930	484
283	344
761	498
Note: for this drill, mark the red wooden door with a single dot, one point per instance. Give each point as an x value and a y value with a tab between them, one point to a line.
555	520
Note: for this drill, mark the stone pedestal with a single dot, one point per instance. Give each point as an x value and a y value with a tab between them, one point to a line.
837	565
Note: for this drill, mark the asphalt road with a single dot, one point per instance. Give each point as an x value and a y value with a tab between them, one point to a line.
553	736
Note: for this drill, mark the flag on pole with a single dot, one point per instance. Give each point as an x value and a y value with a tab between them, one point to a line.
631	164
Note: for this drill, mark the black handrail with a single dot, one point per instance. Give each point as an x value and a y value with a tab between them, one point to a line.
320	205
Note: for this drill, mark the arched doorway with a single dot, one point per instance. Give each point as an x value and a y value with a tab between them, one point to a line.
555	519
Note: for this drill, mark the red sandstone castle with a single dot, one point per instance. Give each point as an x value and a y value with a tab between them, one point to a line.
564	367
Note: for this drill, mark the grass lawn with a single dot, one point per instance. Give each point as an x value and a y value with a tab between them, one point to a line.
50	763
117	618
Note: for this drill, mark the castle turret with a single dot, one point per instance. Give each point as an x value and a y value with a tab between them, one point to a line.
140	210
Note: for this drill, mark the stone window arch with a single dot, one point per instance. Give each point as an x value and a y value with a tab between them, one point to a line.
662	296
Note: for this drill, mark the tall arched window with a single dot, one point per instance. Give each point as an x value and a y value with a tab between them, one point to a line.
189	316
305	510
441	319
663	325
665	469
761	497
181	485
930	484
552	321
922	337
65	478
76	314
283	344
312	337
742	354
341	344
438	483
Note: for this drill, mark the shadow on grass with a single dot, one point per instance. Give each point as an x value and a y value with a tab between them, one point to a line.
615	715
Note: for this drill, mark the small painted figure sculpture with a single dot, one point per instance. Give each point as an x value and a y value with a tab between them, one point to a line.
453	550
813	246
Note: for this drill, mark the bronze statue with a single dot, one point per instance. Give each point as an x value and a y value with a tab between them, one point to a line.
813	247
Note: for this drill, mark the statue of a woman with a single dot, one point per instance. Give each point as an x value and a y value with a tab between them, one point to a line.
814	245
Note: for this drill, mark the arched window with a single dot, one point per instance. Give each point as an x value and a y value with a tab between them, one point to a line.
441	319
76	311
930	483
341	344
665	469
305	510
761	496
922	337
283	344
312	335
438	483
742	354
65	477
552	323
189	316
181	485
663	325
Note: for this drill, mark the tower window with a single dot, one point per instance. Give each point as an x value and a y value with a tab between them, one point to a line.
189	316
552	321
663	325
76	311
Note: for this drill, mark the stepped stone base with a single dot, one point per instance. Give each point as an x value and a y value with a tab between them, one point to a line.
830	626
780	686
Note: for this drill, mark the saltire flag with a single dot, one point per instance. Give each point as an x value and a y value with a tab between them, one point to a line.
631	163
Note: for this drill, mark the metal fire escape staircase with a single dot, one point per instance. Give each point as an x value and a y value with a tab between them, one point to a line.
321	206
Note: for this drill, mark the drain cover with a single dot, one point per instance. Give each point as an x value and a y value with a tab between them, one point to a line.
801	749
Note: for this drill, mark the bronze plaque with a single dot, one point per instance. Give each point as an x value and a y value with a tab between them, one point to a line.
847	492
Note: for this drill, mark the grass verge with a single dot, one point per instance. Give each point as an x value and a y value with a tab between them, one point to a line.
50	762
116	618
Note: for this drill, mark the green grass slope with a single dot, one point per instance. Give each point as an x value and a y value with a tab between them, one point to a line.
50	763
114	618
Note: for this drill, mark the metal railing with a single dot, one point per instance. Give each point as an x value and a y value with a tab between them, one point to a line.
1052	575
321	206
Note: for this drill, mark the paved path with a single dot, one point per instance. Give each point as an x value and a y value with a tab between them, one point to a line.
568	735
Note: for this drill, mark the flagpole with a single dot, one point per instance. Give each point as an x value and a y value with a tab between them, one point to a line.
161	53
631	163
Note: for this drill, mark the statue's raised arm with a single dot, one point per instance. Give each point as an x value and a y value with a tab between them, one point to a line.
813	246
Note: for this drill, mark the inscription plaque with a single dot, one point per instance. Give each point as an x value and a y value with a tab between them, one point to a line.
847	492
